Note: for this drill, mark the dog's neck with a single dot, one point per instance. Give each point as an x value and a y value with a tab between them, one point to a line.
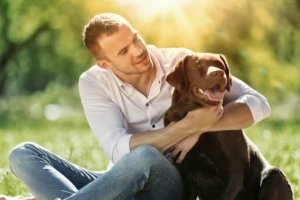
179	98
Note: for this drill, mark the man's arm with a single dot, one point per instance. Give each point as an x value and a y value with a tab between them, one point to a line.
236	116
243	95
167	137
246	107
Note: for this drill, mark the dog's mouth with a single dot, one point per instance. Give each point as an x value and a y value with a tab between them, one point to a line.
210	94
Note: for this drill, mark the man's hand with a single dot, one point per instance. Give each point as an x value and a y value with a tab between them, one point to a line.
184	146
196	121
200	120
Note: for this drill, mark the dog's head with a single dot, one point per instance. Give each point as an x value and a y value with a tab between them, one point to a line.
204	77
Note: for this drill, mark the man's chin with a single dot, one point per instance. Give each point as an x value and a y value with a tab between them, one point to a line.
146	67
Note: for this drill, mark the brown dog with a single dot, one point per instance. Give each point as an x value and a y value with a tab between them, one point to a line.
223	165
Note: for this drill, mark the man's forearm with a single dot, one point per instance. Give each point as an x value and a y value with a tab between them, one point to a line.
162	139
235	116
196	121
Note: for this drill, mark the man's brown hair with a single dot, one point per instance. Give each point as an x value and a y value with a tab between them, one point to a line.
99	25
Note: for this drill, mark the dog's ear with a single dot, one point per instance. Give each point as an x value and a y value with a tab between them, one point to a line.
227	72
177	77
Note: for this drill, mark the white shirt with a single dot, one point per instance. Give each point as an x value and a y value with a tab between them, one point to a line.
115	110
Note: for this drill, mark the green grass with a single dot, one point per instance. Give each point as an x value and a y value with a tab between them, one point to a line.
22	119
279	142
76	143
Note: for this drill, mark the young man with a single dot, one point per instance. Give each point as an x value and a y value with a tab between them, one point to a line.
124	97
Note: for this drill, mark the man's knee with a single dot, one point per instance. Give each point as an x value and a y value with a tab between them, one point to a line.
147	154
151	163
19	154
149	150
148	157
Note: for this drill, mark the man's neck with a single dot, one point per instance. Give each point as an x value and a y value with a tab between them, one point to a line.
143	82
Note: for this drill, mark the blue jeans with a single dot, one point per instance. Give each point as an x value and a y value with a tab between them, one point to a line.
142	174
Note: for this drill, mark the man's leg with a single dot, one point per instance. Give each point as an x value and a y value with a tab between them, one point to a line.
142	174
47	175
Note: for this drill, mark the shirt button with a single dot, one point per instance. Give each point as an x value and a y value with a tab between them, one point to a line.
147	104
153	125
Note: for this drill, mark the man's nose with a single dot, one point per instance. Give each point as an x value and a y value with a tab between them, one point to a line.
137	50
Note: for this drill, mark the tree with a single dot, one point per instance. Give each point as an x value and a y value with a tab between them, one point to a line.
39	44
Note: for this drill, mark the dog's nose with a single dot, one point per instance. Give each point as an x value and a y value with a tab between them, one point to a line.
215	72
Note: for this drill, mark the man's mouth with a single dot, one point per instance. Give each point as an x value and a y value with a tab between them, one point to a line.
142	59
210	95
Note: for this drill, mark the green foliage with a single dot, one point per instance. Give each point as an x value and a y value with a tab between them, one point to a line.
41	40
261	40
40	45
31	111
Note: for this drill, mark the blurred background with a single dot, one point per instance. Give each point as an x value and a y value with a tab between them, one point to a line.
42	56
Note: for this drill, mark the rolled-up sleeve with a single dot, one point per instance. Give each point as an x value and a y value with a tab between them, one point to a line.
104	117
243	93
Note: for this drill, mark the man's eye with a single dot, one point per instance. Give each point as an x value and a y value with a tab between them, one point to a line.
136	38
124	52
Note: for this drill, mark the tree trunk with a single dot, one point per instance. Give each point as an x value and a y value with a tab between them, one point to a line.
11	51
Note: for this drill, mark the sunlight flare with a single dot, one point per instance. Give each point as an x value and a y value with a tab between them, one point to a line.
149	9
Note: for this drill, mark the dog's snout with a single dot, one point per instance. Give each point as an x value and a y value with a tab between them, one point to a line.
215	72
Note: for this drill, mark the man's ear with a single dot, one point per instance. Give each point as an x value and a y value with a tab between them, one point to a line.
227	72
177	77
103	64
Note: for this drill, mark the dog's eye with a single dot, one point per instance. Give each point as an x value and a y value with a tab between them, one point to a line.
199	66
200	69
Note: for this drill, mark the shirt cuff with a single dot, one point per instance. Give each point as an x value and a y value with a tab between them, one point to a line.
259	110
122	147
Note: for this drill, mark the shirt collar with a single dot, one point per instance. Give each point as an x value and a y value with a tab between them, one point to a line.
125	87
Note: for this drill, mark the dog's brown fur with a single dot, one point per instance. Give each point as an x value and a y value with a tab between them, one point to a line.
223	165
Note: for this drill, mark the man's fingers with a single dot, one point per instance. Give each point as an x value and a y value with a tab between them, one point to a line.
175	152
220	111
181	157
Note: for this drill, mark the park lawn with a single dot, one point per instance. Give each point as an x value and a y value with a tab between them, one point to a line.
74	141
70	141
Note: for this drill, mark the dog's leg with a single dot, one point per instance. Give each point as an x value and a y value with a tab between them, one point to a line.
190	192
235	184
274	185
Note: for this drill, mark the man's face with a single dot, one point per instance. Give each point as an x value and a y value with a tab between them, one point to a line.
126	52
